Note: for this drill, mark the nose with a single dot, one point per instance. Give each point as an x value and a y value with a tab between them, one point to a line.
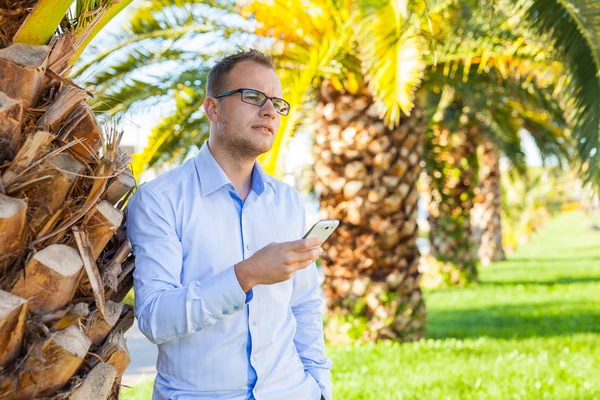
268	110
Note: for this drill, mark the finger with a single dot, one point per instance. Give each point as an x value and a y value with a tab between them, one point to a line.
306	264
303	244
308	255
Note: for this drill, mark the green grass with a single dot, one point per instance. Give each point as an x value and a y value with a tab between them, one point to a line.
529	330
143	391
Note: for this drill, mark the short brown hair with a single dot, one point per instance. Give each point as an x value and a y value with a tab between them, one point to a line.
217	76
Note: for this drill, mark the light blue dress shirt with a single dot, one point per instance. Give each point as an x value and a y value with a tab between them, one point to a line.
188	228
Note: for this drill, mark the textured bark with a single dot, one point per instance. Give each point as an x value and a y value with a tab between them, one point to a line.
11	114
366	177
451	155
112	271
13	213
53	181
114	352
487	210
12	322
119	187
22	72
124	281
50	193
97	384
50	278
83	128
97	327
101	223
61	109
33	149
75	314
91	270
59	358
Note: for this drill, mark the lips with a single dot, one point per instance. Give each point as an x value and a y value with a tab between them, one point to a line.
264	127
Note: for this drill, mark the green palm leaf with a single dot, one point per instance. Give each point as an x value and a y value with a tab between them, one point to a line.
188	101
575	26
391	54
137	59
170	36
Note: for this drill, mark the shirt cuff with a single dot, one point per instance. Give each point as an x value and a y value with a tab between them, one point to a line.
222	293
323	378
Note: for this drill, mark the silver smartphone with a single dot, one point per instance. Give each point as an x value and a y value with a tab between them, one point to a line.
322	229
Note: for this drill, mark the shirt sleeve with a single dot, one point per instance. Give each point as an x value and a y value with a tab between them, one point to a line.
164	308
309	339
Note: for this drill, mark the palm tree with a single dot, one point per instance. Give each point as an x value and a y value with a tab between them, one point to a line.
456	181
366	167
382	32
63	270
486	225
452	165
350	51
366	175
575	29
464	203
550	132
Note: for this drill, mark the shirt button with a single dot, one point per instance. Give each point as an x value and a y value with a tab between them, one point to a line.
254	358
255	322
247	247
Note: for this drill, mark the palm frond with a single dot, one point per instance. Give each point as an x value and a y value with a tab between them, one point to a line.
156	15
159	21
42	22
188	101
478	46
121	100
170	36
575	27
391	53
311	20
134	61
92	17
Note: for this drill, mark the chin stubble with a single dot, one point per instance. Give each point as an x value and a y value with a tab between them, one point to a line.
239	147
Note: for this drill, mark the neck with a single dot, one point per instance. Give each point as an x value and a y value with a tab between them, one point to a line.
238	171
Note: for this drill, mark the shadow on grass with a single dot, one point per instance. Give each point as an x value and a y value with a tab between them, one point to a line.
515	321
559	281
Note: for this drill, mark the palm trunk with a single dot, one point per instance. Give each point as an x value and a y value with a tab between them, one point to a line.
366	176
452	170
487	210
64	260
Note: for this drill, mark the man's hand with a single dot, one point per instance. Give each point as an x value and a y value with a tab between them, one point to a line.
277	262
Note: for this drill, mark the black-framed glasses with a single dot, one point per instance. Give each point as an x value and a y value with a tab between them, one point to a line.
257	98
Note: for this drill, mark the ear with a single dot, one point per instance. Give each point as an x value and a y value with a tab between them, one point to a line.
211	109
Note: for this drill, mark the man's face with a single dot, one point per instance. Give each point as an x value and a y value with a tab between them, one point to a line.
246	130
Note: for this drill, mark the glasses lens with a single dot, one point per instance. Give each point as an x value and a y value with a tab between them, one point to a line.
253	97
281	106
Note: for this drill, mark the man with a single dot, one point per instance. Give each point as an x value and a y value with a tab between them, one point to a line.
224	284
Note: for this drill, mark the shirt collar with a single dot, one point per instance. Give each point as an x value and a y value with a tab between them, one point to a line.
212	176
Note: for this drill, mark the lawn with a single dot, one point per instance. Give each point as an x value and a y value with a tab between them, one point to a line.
529	330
